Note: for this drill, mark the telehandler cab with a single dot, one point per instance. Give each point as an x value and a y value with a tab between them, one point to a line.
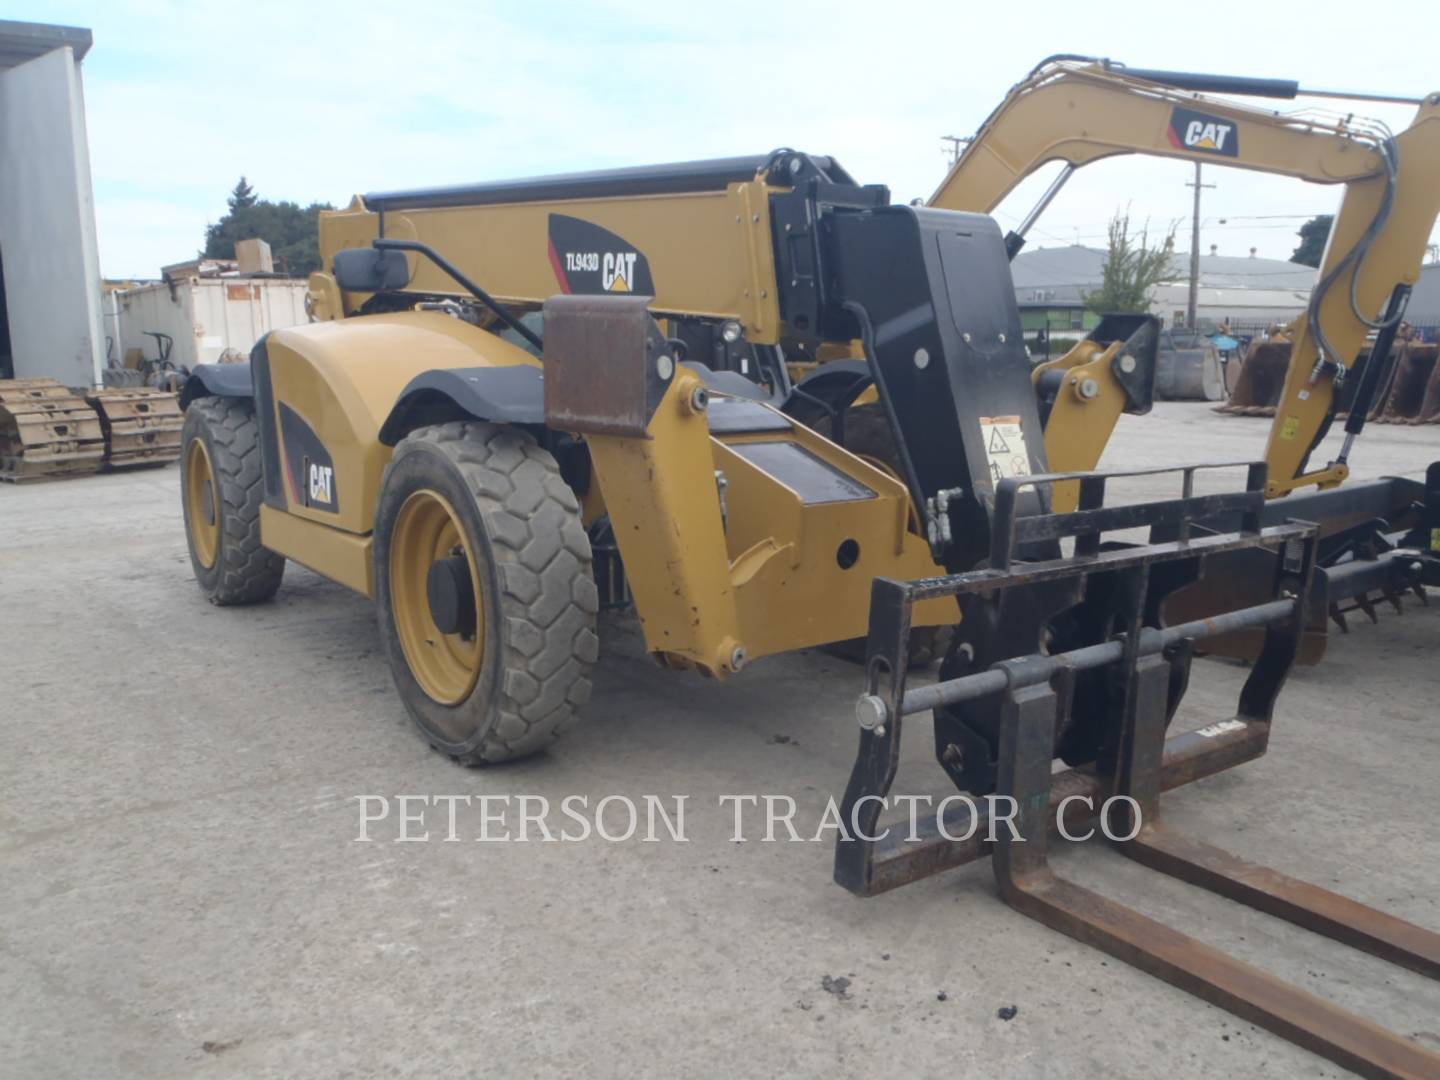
521	401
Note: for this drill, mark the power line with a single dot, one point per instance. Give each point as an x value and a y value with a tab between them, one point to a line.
1268	217
954	143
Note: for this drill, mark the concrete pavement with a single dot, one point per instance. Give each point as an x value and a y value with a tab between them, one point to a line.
182	893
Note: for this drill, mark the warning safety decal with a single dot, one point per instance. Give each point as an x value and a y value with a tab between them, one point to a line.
1005	447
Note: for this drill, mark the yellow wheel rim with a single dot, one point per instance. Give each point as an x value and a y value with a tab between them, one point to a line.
203	502
446	666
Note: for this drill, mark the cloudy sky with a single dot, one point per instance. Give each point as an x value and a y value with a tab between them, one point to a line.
315	101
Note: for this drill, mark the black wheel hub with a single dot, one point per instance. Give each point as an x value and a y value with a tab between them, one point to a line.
451	594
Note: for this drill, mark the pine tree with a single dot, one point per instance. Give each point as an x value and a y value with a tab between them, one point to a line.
243	196
292	231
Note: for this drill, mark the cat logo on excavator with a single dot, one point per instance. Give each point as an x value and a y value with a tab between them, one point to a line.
1191	130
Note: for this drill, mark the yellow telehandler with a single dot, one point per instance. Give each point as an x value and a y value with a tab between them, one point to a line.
520	401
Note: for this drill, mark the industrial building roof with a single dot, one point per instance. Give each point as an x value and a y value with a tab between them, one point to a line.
1062	276
23	41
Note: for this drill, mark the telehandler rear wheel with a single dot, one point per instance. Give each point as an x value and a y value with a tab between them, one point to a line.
484	591
220	490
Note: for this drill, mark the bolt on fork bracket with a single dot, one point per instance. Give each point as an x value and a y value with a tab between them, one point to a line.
1035	692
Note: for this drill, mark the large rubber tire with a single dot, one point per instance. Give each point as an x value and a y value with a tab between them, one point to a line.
867	435
529	557
239	568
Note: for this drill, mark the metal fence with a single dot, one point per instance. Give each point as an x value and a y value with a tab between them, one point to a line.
1047	346
1244	330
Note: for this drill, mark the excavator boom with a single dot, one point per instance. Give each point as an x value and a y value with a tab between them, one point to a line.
1078	110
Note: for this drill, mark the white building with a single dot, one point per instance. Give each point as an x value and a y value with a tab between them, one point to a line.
50	311
1051	285
1241	289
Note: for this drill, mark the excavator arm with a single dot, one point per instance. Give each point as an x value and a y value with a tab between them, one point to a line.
1077	110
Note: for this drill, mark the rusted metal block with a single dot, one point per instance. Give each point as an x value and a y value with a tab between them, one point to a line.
606	365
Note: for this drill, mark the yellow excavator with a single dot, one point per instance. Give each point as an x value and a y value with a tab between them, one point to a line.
521	400
1078	110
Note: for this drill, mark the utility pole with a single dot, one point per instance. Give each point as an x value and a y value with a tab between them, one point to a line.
1194	251
952	151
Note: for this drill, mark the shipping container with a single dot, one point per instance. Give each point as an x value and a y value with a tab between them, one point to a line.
204	316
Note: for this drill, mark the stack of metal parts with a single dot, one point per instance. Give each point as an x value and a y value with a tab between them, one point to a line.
49	430
1411	394
1261	380
1414	390
142	425
46	430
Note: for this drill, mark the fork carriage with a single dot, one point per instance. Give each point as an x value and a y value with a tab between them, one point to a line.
1070	657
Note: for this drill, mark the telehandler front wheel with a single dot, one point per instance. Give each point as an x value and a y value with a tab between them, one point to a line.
483	590
221	486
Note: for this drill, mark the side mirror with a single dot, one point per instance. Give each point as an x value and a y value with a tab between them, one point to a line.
369	270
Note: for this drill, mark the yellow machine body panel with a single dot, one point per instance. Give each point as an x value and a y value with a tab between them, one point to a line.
1083	415
734	280
778	557
796	563
345	558
332	385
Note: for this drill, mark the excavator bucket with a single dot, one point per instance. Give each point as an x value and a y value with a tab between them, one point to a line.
1019	708
46	430
1411	394
1188	370
142	425
1414	396
1261	379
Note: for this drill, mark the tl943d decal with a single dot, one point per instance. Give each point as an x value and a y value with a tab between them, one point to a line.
308	466
1201	132
588	259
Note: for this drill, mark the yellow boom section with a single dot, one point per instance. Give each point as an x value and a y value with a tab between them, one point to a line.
1078	113
506	248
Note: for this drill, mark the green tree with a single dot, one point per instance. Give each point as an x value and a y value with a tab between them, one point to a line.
242	197
1132	267
292	231
1313	236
